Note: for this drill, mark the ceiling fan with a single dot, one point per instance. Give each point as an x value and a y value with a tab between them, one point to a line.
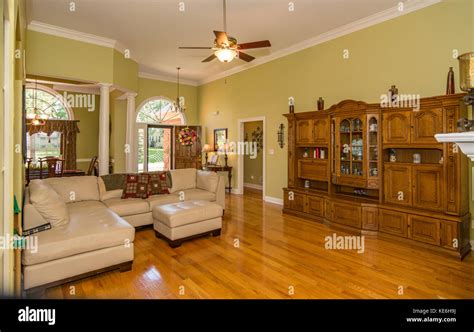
226	47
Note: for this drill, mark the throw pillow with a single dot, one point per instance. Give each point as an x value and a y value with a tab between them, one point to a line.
182	179
48	203
136	186
158	184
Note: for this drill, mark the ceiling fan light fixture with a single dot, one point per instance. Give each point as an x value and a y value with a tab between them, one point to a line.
225	54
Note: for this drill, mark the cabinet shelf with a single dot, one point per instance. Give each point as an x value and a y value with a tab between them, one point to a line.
412	164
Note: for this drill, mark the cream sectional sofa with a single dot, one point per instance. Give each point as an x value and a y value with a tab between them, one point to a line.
101	229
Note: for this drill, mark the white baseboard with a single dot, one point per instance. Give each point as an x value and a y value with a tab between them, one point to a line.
253	186
236	191
85	160
274	200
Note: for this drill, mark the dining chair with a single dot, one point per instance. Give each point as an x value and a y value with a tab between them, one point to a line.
92	166
55	166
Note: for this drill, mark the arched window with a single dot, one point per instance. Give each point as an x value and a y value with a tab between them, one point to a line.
49	104
155	120
159	110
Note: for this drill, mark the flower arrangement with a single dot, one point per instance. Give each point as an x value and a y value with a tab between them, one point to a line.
187	136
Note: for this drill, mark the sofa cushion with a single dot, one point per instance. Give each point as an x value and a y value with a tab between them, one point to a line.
75	189
114	181
127	207
182	179
48	203
136	186
207	181
117	193
184	213
157	183
162	200
196	194
92	226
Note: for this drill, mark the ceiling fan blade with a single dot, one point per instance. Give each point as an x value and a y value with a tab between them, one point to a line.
194	48
209	58
257	44
221	37
245	57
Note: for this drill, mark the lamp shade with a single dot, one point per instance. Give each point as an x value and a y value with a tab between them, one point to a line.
225	54
466	71
206	148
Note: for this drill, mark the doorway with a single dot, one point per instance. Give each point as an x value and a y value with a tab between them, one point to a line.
251	170
155	147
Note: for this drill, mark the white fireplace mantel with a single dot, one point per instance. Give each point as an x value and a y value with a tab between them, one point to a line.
464	140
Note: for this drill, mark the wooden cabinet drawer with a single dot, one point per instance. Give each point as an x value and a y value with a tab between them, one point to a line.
347	214
393	222
294	201
424	229
426	124
313	169
397	184
304	132
352	181
316	206
427	187
370	218
449	235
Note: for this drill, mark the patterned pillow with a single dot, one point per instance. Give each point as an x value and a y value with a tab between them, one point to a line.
136	186
157	184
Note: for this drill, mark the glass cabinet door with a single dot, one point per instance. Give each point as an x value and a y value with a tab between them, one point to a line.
373	128
345	148
357	147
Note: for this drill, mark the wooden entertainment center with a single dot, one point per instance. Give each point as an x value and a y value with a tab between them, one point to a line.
380	171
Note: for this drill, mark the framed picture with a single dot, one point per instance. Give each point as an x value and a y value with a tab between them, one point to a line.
220	137
212	160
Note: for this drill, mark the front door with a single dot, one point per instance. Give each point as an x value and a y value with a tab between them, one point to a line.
155	147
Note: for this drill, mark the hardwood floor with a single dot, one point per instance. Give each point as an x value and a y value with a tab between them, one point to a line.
264	254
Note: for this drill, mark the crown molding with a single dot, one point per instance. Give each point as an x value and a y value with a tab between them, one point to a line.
388	14
165	78
72	34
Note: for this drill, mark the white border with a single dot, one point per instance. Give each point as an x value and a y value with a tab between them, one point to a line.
388	14
165	78
273	200
240	158
253	186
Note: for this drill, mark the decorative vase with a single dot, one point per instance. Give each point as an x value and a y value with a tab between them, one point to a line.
393	92
450	82
320	104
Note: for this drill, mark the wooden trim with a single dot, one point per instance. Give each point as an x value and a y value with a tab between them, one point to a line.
38	291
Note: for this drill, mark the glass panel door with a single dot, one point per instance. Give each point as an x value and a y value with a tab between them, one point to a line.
357	147
159	148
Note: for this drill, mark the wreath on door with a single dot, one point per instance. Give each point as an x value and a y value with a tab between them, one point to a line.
187	136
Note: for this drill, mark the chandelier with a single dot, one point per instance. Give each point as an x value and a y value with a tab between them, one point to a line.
178	105
36	119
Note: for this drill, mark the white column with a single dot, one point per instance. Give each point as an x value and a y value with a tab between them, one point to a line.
131	149
104	122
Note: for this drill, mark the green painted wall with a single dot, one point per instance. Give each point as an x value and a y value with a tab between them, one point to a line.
253	168
59	57
413	51
125	72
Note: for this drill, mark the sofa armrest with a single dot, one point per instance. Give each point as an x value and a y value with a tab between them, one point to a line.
31	217
220	191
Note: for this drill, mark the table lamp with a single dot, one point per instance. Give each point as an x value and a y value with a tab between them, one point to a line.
206	149
226	149
466	71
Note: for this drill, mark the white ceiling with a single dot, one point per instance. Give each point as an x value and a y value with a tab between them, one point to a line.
153	29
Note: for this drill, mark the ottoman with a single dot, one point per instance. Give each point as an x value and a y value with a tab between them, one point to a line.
183	221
